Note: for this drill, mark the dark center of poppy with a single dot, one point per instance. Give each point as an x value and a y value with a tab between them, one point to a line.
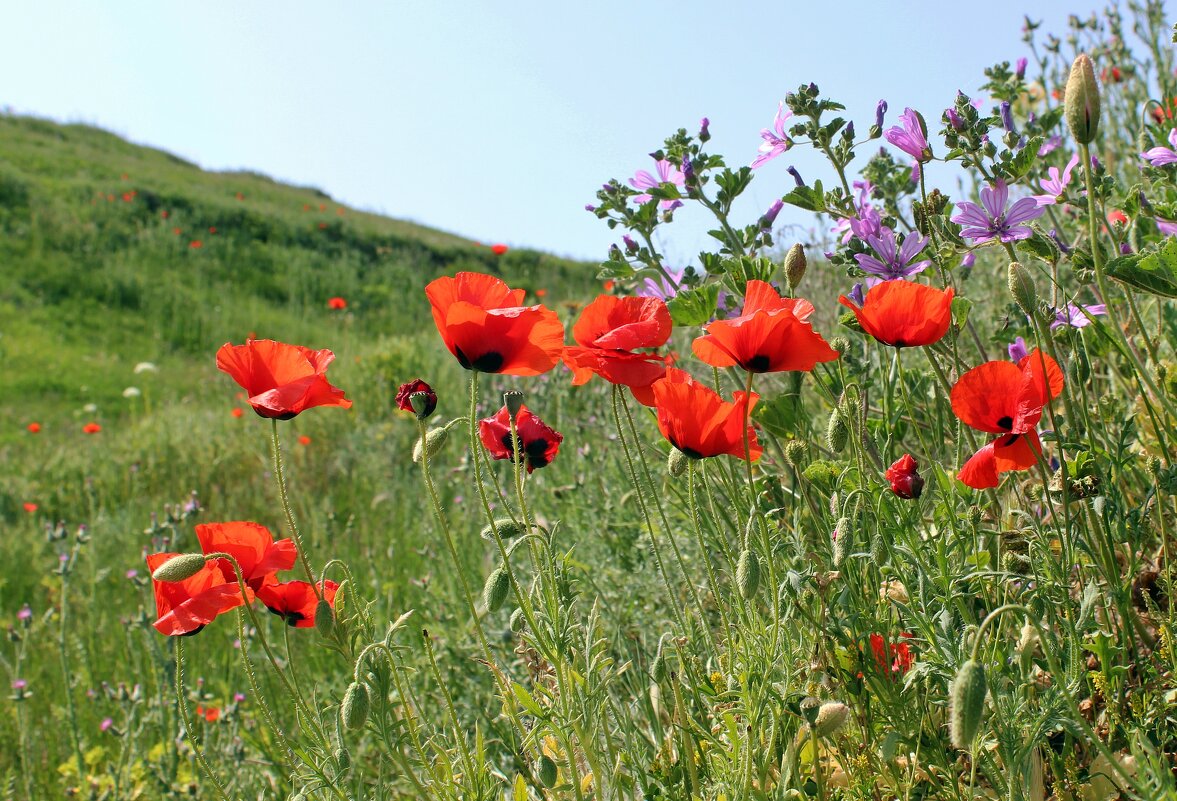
1010	440
490	362
536	452
291	618
1005	422
757	364
194	631
899	343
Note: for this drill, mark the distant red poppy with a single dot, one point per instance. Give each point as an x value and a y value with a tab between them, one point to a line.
91	428
905	481
608	330
196	244
339	211
210	713
608	285
1117	217
484	327
541	293
186	607
336	304
30	507
237	411
1006	399
212	229
697	421
177	231
540	441
894	659
281	380
416	385
904	314
164	214
498	250
252	545
1112	75
34	428
322	226
772	334
128	197
240	196
304	440
295	601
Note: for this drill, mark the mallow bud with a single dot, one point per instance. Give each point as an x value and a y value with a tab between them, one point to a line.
795	265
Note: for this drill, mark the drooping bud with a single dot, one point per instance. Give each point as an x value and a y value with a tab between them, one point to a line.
1021	286
181	567
1082	100
545	771
324	618
837	432
513	400
518	620
434	440
748	574
831	717
354	709
876	130
343	760
795	265
506	527
676	463
968	704
422	406
494	592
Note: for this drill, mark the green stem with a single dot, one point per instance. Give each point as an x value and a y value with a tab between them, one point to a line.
280	475
193	738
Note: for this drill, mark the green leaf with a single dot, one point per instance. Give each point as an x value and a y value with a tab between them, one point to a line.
694	306
1043	247
960	311
1151	271
781	416
810	198
1022	163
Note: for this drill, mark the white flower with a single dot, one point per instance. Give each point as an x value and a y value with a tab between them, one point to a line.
131	392
145	367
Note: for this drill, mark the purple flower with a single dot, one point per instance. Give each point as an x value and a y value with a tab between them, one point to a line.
797	179
1166	227
106	724
667	174
1056	185
1020	70
991	220
856	295
1077	316
238	697
911	138
1050	145
704	129
590	207
1007	117
132	573
894	260
968	259
880	111
631	247
1160	156
954	119
19	684
776	141
1017	350
659	287
769	217
25	613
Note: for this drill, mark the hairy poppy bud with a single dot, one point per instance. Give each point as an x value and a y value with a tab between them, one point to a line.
494	592
905	481
417	397
748	574
1027	645
1081	100
518	620
1021	286
658	666
324	617
830	718
676	463
837	432
513	400
843	540
506	527
354	709
181	567
968	703
433	442
545	771
343	760
342	598
795	265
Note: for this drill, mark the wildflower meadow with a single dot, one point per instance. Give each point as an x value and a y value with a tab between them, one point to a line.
301	503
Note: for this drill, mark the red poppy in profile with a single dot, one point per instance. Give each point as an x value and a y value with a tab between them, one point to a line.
498	250
295	601
697	421
252	545
186	607
904	314
412	387
894	659
905	481
281	380
485	328
34	428
771	334
210	713
608	330
1006	399
540	441
237	412
91	428
336	304
30	507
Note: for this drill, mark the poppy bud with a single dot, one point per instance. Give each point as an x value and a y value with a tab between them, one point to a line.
494	592
518	620
180	567
676	463
1027	645
513	400
1021	286
837	433
343	760
433	442
324	617
968	704
748	574
423	406
795	265
843	540
830	718
506	527
354	709
1081	100
545	771
809	707
795	453
905	481
658	666
342	597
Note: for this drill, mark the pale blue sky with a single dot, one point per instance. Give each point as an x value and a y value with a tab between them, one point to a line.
497	121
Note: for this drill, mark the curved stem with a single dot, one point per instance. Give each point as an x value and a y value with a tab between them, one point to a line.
193	739
280	475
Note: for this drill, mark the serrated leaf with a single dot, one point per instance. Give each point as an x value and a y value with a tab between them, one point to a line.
960	311
694	306
1025	159
1043	247
810	198
1151	271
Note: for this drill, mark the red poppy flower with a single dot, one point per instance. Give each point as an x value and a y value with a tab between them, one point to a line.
252	545
894	659
177	231
281	380
498	250
91	428
186	607
336	304
210	713
34	428
295	601
1006	399
905	481
212	229
30	507
1117	217
771	334
237	412
540	441
163	214
608	329
608	285
196	244
904	314
304	440
416	385
485	328
698	422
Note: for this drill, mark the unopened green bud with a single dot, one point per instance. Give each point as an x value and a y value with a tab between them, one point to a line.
676	463
324	618
354	709
967	704
506	527
831	717
795	265
843	540
1155	465
546	772
434	439
795	453
1021	286
837	432
342	598
181	567
513	400
1081	100
840	344
748	574
658	666
342	759
494	592
518	620
975	515
810	707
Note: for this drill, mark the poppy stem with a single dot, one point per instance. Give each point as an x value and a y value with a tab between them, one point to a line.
280	475
193	738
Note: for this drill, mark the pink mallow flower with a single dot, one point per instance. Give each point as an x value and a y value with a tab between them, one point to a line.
1160	156
1056	185
991	219
667	174
1077	316
776	141
911	138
